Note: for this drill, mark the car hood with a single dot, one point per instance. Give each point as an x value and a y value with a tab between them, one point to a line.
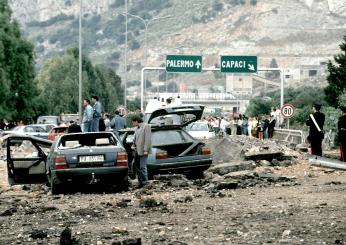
180	115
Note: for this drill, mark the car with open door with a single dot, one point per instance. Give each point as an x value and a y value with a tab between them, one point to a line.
173	149
77	158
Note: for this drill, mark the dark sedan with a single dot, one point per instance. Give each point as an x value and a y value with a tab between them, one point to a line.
173	149
72	158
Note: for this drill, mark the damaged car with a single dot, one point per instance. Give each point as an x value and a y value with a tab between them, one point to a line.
76	158
173	149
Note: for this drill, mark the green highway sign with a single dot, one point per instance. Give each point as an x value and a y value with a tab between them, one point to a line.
241	64
183	63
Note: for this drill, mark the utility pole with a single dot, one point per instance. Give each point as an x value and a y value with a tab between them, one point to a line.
125	57
80	63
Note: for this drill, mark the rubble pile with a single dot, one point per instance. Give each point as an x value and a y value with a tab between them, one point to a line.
249	148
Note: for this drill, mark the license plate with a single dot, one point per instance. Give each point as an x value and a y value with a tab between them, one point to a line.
96	158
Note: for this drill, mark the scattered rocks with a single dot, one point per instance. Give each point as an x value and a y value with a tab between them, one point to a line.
225	168
173	180
131	241
119	230
183	199
87	212
9	212
66	236
150	202
38	234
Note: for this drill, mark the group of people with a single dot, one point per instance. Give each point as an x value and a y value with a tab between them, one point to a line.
259	127
8	125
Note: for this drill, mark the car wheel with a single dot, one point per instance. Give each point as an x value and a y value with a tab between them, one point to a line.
55	188
123	185
195	175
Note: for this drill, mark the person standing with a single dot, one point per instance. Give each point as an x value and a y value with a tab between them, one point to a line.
87	116
342	132
97	113
316	122
271	126
74	127
107	121
142	148
118	122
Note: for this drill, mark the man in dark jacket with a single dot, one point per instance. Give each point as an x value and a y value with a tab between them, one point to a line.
342	132
316	136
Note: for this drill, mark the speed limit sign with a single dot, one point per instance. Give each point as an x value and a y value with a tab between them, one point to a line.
287	110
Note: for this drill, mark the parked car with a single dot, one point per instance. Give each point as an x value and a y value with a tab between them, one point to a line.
67	118
37	130
200	130
48	120
173	149
71	159
57	131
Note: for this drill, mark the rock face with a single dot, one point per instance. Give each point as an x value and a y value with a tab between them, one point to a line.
293	32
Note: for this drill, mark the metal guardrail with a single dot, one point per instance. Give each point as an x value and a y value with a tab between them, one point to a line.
290	135
299	136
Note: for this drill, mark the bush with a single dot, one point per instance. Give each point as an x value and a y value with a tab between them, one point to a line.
51	21
117	3
134	44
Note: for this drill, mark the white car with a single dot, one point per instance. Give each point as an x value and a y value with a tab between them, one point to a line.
38	130
200	130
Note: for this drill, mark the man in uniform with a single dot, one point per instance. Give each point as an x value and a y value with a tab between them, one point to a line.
342	132
316	135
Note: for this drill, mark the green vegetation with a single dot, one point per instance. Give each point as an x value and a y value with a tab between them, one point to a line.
58	82
18	91
302	98
337	76
51	21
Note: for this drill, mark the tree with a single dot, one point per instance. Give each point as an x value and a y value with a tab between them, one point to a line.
337	76
58	82
17	70
259	106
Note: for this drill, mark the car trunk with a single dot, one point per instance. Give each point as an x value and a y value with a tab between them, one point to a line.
83	158
185	149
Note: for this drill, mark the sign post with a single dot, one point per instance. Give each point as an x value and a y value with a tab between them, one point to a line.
287	111
239	64
183	63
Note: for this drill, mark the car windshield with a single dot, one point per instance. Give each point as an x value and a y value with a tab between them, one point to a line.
80	140
170	137
199	127
16	128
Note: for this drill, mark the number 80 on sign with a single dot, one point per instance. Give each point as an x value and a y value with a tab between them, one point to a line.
287	110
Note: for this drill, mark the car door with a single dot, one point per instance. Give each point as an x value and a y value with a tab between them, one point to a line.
26	159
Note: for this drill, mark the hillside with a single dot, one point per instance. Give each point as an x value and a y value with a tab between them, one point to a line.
293	32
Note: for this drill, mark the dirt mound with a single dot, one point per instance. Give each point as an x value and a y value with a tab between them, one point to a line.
241	147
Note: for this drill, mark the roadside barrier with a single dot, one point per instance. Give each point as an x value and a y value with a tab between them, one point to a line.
290	135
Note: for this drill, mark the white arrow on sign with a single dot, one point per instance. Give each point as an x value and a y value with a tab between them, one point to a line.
251	67
198	64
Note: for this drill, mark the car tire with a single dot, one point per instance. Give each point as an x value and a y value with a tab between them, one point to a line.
55	188
195	175
123	185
